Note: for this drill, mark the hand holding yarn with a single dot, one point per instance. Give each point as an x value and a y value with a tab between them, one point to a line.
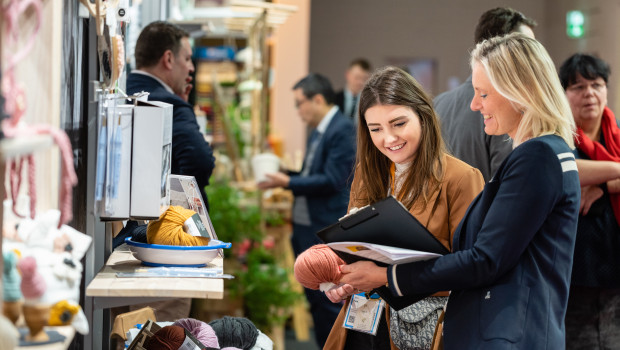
318	266
341	292
364	275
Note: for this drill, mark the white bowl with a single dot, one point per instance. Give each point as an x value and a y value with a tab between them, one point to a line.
174	255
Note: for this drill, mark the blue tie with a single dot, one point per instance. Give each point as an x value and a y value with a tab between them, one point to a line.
353	107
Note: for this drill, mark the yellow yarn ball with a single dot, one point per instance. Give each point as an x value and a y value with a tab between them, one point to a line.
168	230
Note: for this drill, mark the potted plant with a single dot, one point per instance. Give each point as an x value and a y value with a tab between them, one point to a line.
260	281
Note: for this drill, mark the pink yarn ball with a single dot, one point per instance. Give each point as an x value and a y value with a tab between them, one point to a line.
317	265
33	285
201	330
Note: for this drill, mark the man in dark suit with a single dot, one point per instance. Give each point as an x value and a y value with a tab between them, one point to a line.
356	76
463	129
164	67
322	187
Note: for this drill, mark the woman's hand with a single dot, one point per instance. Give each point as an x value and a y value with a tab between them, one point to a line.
364	275
613	186
589	195
339	293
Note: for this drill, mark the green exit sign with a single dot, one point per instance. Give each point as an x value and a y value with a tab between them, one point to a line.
574	24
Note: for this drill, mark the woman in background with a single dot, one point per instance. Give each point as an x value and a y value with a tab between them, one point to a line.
592	319
510	269
401	153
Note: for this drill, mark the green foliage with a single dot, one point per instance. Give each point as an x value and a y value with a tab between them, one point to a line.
273	218
231	222
263	285
266	290
235	116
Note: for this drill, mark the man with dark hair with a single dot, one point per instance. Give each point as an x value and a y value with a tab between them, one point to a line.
355	76
164	67
501	21
322	187
462	128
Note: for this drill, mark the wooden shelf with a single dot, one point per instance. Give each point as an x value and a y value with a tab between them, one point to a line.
107	287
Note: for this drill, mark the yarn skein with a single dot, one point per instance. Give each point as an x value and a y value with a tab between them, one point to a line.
33	285
202	331
168	230
238	332
317	265
167	338
10	277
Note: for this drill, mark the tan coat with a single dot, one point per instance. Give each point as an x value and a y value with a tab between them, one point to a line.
445	209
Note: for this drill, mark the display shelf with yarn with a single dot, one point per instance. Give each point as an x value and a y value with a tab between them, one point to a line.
108	290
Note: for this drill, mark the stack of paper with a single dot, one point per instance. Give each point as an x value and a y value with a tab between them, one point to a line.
381	253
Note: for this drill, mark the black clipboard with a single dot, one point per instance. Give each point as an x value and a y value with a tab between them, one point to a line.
386	222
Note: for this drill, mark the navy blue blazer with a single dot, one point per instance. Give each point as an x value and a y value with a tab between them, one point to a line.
191	154
513	251
327	185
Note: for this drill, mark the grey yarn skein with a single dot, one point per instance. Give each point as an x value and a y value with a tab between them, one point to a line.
238	332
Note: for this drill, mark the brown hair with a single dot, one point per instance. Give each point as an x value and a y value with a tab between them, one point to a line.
155	39
393	86
500	21
360	62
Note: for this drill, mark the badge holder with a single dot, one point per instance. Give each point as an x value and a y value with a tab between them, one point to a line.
363	314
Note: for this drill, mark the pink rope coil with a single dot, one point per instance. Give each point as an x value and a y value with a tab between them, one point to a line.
15	106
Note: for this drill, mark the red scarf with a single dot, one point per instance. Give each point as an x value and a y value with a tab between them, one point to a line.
596	151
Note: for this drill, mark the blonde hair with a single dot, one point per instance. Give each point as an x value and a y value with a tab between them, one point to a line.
520	69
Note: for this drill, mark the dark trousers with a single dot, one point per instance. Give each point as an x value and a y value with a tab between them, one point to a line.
324	312
379	341
593	319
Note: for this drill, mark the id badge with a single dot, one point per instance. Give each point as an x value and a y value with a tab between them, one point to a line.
363	314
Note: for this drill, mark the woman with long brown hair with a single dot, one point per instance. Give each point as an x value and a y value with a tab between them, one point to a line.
401	153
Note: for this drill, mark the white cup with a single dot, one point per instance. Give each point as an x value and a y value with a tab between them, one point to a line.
264	163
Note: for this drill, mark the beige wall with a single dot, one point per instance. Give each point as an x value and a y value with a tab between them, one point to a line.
439	29
443	30
38	74
290	60
601	37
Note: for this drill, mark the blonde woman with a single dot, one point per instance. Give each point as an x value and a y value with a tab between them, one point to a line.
509	273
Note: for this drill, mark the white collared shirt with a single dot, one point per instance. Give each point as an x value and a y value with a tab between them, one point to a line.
168	88
326	120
